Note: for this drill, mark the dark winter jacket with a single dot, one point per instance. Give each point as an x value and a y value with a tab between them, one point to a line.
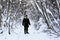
26	22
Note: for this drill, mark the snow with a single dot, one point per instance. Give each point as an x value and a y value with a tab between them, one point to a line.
0	6
18	33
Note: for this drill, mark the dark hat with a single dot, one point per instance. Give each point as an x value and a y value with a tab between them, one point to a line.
25	15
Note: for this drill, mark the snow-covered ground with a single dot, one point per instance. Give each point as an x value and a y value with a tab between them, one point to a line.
18	33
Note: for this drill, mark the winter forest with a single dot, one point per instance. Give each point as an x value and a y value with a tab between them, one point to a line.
44	16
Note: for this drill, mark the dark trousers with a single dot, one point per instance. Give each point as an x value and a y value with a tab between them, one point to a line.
25	29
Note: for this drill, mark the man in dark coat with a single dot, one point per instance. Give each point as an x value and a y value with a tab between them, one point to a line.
26	24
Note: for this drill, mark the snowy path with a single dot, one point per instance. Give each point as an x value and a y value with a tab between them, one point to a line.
18	34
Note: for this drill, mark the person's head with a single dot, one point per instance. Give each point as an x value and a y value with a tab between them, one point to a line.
25	16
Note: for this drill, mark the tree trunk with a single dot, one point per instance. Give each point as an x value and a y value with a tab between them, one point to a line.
0	23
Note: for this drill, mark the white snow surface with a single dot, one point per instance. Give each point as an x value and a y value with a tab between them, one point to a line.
18	33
